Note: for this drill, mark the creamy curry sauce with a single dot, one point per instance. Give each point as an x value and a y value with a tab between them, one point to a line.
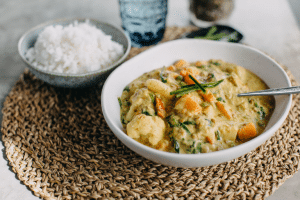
166	110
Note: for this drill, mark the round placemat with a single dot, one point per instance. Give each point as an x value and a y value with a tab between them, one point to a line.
59	145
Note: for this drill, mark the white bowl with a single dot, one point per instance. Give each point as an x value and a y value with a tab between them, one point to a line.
191	50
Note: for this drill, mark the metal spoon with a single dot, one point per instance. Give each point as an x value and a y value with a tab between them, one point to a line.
275	91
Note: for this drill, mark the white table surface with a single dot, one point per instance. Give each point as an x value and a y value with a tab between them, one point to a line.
268	25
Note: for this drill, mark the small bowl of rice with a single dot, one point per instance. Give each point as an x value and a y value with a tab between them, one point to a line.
74	53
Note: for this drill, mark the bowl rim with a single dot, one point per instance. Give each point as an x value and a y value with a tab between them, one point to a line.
70	21
251	144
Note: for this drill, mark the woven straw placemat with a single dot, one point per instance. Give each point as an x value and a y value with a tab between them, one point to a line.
59	145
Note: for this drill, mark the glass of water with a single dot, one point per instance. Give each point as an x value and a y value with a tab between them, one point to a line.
144	20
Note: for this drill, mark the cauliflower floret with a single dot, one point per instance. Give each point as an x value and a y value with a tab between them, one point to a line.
159	87
189	104
148	128
228	132
140	101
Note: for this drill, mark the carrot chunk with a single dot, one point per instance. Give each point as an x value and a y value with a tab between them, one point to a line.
180	63
192	105
171	68
193	71
222	109
160	108
246	132
198	63
207	96
186	77
210	140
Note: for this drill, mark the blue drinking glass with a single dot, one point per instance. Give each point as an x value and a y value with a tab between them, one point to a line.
144	20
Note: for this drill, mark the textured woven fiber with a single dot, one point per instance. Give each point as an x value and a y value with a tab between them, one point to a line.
59	145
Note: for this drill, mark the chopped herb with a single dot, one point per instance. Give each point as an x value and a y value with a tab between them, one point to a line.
261	113
123	120
185	128
145	112
204	104
211	34
184	90
261	124
193	151
127	103
201	66
176	145
197	83
210	76
194	87
216	63
220	99
209	122
212	85
199	147
152	96
191	148
179	78
172	121
232	144
189	123
126	89
120	102
182	84
162	77
256	105
218	134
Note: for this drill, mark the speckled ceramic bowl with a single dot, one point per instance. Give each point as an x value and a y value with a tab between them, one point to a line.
191	50
74	80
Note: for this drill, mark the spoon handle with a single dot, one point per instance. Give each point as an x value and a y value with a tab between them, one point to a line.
276	91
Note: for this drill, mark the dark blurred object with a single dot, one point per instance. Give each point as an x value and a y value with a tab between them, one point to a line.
216	32
210	11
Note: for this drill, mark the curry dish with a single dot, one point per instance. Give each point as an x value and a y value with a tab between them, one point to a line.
193	107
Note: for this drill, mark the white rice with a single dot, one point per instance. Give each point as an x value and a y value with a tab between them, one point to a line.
75	49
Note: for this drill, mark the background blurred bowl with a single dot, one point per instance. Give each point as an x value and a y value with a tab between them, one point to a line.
192	50
74	80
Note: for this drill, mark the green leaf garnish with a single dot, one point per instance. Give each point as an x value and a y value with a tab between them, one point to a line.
216	63
205	104
189	123
261	113
197	83
211	34
176	144
152	96
218	134
220	99
212	85
185	128
179	78
209	122
145	112
162	77
126	89
190	88
120	102
172	121
199	147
